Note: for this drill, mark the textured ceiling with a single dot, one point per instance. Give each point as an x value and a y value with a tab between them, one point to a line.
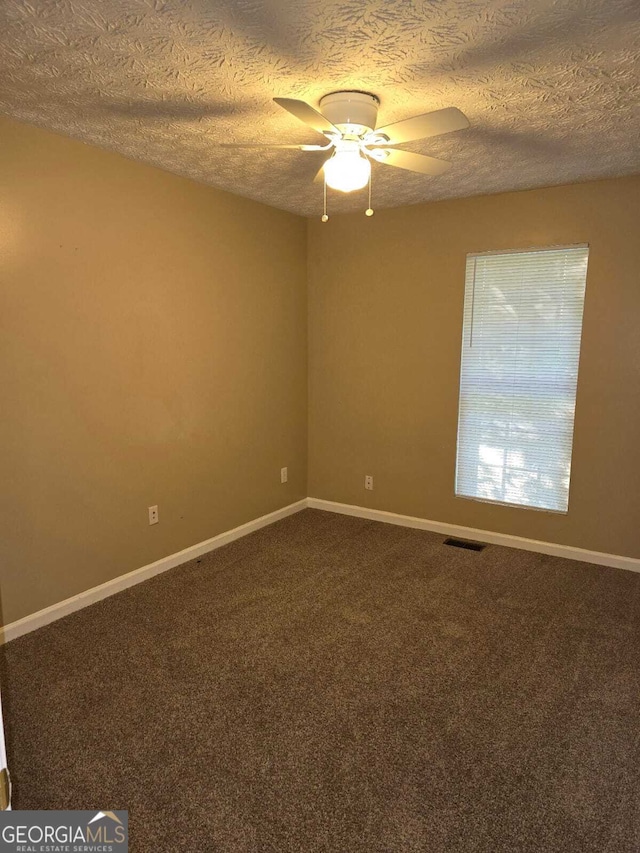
552	89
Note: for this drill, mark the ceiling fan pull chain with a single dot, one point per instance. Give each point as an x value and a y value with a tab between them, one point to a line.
325	217
369	210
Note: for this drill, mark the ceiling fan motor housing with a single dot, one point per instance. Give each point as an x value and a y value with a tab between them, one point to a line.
351	112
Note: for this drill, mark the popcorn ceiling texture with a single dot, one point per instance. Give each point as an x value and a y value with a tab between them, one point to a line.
552	89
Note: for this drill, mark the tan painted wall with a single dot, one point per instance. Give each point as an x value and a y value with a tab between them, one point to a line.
385	307
153	351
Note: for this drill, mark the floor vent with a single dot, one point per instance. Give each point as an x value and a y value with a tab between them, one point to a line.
462	543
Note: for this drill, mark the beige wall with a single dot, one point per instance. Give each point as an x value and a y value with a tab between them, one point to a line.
153	337
153	351
385	308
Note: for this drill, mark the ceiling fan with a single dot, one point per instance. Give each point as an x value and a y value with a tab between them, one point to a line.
348	122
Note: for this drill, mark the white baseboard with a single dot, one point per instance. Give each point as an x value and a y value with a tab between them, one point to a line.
97	593
632	564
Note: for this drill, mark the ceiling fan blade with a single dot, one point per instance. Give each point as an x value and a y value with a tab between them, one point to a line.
319	178
306	113
429	124
413	162
272	145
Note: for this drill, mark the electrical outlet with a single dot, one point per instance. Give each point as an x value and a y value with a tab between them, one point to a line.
284	475
368	482
153	515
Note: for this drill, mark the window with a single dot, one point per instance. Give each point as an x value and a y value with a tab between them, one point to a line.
520	352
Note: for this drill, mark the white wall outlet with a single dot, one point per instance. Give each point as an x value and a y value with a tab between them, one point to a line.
368	482
284	475
153	515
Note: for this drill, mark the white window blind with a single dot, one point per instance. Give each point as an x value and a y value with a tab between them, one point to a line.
520	352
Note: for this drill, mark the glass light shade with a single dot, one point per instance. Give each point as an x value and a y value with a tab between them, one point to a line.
347	171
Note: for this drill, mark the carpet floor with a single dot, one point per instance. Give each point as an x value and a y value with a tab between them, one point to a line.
335	684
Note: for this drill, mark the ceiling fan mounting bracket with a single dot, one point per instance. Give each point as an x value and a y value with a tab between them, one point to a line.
351	112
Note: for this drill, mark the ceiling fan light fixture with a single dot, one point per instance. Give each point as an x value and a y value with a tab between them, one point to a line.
348	123
347	170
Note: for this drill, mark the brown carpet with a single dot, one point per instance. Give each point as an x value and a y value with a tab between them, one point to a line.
334	684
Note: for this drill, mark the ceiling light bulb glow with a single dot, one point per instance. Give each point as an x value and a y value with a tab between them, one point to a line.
347	170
